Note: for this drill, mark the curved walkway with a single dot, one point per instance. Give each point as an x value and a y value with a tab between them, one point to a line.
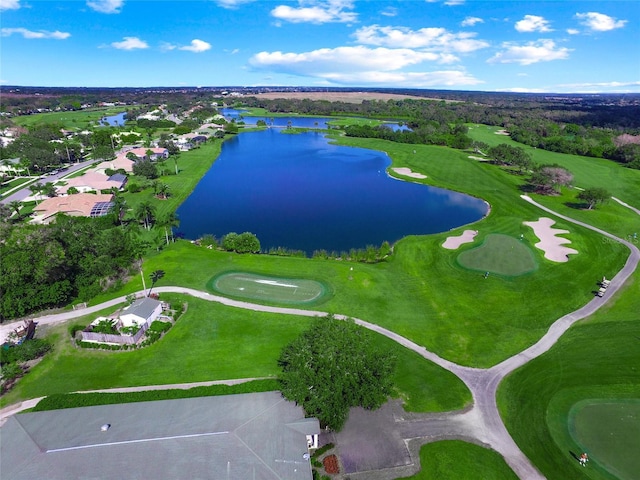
482	421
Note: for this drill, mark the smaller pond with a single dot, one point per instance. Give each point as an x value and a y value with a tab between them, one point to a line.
116	120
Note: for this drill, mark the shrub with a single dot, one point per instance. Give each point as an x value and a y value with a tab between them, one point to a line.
27	350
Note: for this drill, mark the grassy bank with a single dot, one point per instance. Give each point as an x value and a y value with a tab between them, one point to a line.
71	120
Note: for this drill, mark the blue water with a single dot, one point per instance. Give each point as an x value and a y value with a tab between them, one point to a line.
114	120
292	121
300	192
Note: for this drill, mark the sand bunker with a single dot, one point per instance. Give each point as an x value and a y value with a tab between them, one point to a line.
480	159
453	243
502	132
408	173
549	243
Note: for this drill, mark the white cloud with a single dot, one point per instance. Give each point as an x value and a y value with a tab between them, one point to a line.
167	47
573	31
523	90
436	39
9	5
230	4
30	34
331	11
599	22
347	58
533	23
532	52
471	21
106	6
363	65
197	46
130	43
448	78
453	3
389	12
602	84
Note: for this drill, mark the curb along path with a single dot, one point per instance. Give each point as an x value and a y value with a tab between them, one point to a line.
482	422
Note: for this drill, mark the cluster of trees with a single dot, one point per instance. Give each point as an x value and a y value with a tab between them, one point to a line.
504	154
585	126
51	265
245	242
13	358
332	367
370	254
425	133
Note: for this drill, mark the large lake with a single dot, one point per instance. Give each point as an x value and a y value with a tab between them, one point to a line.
300	192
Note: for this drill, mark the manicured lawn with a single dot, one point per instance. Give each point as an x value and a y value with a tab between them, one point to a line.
500	254
213	342
596	359
455	460
72	120
609	431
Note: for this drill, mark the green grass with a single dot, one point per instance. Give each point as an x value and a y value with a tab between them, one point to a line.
456	460
622	182
16	182
597	359
609	431
214	342
70	120
500	254
247	285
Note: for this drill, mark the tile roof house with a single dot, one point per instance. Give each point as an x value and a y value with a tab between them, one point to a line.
142	311
91	181
257	436
141	153
78	205
120	162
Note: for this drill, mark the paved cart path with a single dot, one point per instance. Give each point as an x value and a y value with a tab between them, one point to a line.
481	422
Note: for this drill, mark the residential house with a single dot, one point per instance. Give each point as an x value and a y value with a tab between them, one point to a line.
78	205
141	153
142	311
257	436
93	181
121	162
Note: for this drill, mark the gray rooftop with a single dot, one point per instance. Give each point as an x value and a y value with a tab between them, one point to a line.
142	307
237	437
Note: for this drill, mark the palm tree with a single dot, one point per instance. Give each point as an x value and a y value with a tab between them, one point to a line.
145	213
15	205
155	276
119	206
169	221
162	190
36	189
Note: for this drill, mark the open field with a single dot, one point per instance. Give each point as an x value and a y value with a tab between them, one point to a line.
214	342
71	120
455	460
348	97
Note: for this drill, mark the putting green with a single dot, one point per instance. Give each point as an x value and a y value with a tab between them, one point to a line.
268	288
500	254
609	431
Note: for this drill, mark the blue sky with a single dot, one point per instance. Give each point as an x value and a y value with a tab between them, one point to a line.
559	46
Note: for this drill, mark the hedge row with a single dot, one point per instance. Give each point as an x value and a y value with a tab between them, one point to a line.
73	400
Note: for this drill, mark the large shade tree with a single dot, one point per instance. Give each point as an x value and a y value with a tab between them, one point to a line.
332	367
